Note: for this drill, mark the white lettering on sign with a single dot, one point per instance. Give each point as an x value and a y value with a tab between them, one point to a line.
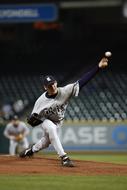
10	13
70	136
85	135
100	135
78	136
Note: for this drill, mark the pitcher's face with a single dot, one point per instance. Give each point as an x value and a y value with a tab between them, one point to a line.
52	88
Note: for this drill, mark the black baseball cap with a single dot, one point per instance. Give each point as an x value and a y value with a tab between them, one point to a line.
15	117
48	80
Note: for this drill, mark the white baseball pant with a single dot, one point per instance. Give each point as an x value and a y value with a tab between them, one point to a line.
13	145
50	137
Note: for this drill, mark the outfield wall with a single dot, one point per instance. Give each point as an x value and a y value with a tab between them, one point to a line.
4	143
83	136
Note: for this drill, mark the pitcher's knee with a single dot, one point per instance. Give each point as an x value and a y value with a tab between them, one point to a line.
46	145
45	142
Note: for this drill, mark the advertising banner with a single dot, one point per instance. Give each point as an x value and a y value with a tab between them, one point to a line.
82	137
90	137
28	13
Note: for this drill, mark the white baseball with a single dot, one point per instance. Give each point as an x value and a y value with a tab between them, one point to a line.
108	54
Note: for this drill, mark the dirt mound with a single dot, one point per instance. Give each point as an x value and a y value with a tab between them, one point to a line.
40	165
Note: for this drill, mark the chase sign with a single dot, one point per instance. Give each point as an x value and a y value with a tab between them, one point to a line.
90	137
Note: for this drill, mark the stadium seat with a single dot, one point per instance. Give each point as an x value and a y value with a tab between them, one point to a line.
103	98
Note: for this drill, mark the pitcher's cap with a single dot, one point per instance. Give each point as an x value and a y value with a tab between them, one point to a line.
48	80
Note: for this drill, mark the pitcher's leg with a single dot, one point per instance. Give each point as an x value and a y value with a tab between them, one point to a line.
51	136
43	143
51	129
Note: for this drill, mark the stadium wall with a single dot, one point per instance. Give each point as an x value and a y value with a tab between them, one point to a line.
82	136
90	136
4	143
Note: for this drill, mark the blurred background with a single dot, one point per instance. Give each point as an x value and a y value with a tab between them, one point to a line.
66	38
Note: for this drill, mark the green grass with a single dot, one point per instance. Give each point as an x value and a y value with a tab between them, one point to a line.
110	158
118	159
63	182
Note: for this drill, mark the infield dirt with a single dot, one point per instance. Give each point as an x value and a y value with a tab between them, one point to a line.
40	165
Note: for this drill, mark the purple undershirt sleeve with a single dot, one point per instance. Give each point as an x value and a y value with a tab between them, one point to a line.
88	76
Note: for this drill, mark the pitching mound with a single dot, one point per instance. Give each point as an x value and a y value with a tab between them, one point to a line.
39	165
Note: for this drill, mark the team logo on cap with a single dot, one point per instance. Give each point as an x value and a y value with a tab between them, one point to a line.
48	79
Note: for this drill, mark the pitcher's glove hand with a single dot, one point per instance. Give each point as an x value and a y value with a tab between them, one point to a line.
34	120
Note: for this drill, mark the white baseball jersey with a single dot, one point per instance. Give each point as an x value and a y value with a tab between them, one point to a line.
11	130
54	108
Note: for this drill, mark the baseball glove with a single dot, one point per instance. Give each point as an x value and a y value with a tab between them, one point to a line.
18	137
34	120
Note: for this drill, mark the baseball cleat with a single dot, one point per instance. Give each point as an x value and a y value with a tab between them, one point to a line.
27	152
66	162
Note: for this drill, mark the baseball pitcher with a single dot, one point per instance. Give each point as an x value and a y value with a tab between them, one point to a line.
49	111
